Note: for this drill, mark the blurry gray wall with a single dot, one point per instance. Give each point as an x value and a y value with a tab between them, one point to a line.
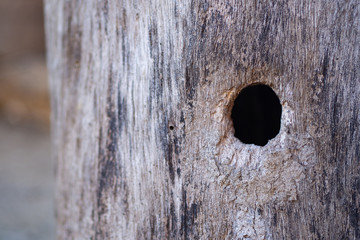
26	171
23	77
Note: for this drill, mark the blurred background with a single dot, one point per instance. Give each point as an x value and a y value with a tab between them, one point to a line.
26	170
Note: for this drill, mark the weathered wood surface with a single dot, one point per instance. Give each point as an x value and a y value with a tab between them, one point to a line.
142	93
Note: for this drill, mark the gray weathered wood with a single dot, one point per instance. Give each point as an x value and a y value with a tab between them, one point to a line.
123	72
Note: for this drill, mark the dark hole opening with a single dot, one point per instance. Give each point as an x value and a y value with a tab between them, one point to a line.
256	115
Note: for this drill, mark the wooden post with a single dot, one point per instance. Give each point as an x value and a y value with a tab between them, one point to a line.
142	93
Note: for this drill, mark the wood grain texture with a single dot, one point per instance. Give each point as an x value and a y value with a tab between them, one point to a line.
142	94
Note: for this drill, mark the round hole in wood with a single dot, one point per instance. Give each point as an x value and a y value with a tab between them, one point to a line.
256	115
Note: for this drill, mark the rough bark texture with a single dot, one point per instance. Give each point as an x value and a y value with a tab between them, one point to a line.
142	94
